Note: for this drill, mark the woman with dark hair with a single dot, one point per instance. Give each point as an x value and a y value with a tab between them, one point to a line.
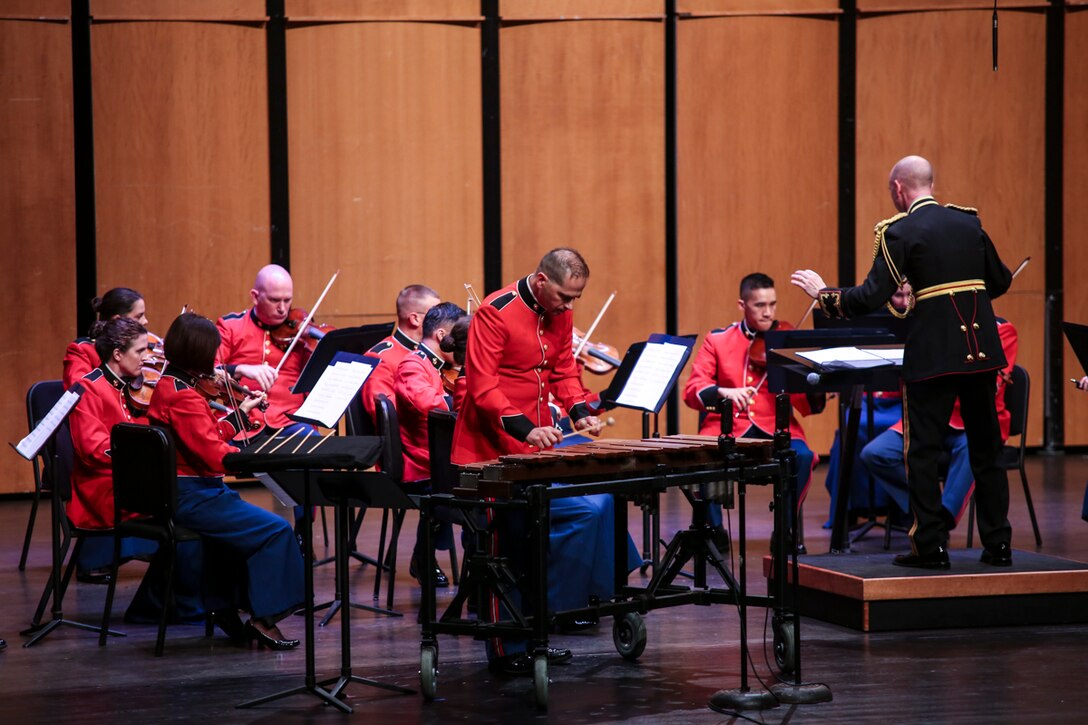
262	542
81	357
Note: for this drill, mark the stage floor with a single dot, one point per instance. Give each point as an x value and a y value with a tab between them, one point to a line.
971	675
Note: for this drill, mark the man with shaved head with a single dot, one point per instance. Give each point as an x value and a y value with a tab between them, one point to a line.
953	350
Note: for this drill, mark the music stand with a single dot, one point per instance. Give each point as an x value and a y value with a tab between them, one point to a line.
357	340
1078	340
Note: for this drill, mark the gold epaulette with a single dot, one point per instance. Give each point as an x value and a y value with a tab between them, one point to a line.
966	209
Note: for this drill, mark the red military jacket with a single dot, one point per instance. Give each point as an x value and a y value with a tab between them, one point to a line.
419	390
1010	343
201	438
517	356
80	358
391	351
245	341
100	408
720	363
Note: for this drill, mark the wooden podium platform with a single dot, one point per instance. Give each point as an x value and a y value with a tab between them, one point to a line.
866	592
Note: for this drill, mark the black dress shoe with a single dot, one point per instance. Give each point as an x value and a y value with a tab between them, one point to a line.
3	645
1000	555
265	639
94	576
521	665
933	560
441	581
230	623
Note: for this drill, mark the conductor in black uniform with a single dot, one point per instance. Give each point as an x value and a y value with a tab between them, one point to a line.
952	349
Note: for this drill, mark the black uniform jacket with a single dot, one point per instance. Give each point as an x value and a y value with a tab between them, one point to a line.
934	246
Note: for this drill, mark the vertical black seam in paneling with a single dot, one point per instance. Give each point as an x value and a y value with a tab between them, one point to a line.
848	65
672	287
83	163
492	144
1053	210
279	200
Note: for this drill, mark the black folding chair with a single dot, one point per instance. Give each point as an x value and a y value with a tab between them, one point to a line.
145	485
1017	397
40	399
444	473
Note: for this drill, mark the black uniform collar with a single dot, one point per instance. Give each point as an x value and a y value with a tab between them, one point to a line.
114	379
920	202
184	376
525	292
257	320
435	360
404	339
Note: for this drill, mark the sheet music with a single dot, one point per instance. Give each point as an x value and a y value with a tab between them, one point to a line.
29	446
895	355
334	391
852	357
652	374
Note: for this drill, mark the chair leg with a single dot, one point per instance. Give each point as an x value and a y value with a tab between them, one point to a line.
381	556
454	571
324	527
107	610
1031	506
71	567
30	526
394	537
167	599
971	522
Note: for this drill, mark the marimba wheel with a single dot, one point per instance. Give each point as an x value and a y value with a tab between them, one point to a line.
428	672
540	681
785	648
629	635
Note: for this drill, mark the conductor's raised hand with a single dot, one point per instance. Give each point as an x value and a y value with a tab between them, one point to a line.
544	436
810	282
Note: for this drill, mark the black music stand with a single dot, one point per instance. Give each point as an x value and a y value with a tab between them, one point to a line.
1078	340
789	372
299	475
357	340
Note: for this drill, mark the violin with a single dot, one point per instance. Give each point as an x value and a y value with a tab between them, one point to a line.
223	393
138	390
597	357
757	347
283	334
449	378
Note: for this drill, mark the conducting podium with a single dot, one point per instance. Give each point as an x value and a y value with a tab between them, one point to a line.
848	361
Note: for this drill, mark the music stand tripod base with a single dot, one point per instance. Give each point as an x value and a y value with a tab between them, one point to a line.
797	694
740	700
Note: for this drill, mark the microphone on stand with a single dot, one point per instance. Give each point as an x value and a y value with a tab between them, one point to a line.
813	379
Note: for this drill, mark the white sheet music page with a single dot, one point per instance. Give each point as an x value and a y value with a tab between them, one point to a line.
652	374
28	447
334	392
847	355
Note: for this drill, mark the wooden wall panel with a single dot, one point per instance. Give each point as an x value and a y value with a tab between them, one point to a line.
385	157
31	9
1076	213
387	9
37	214
583	166
757	7
181	163
173	9
925	86
757	166
570	9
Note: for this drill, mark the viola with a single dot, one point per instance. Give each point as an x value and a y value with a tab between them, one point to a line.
283	334
597	357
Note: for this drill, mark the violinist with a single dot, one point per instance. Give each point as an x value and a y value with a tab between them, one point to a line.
81	357
419	387
257	546
413	303
731	365
121	343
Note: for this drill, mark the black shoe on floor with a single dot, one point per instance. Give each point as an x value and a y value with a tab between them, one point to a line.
230	624
94	576
1000	555
521	665
934	560
441	581
720	537
3	645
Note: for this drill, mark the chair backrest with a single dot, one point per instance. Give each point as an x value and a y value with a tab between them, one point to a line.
440	424
389	429
1017	396
145	473
40	399
357	420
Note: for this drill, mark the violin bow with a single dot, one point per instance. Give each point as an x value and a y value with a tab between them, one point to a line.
306	322
1020	268
473	298
593	327
804	317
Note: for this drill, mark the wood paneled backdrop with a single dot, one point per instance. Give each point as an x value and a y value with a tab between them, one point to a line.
385	156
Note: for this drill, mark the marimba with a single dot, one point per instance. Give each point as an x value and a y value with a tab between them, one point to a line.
631	470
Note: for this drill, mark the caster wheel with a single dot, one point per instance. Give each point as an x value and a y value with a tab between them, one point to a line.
629	635
785	648
428	672
540	681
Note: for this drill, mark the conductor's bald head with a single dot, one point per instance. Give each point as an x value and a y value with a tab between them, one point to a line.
910	178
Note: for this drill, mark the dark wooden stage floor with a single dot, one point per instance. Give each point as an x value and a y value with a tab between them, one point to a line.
983	675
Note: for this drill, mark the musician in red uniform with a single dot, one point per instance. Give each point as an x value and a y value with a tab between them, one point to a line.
519	353
419	388
413	303
122	343
81	358
723	370
258	543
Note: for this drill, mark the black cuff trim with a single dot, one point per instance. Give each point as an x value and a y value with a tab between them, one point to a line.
579	411
709	396
519	426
